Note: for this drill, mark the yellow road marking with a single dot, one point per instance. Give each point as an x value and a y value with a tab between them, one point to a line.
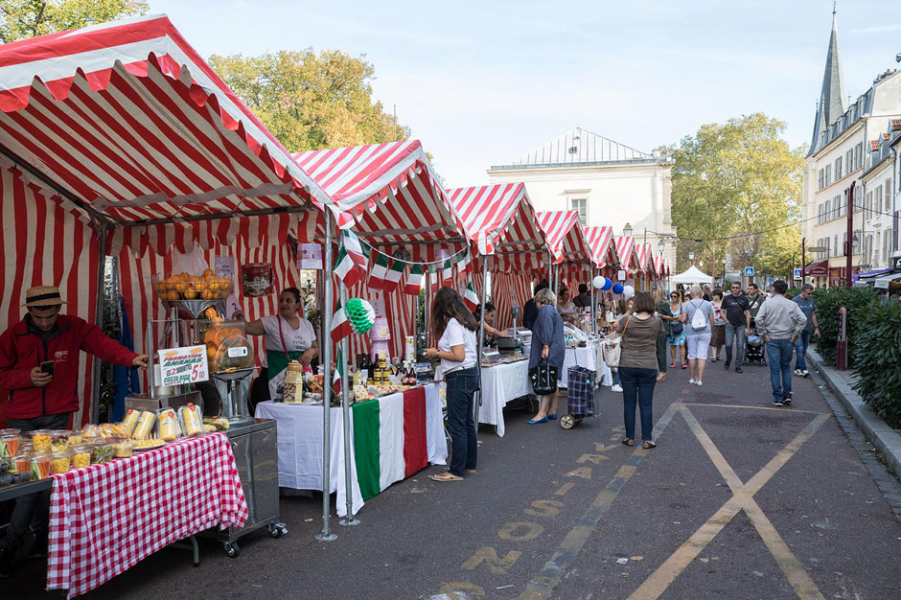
514	531
743	498
565	488
776	408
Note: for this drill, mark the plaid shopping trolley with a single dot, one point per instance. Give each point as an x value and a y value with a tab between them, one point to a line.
580	391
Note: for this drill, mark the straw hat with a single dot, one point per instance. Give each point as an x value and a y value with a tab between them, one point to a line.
43	296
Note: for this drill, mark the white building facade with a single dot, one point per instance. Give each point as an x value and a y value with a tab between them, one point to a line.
608	183
846	149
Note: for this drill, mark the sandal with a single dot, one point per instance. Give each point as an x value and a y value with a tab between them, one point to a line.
647	445
446	476
628	441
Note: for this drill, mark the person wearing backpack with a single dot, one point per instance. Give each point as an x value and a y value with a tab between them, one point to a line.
698	318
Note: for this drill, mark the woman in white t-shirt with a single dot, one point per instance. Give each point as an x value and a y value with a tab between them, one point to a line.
455	328
288	337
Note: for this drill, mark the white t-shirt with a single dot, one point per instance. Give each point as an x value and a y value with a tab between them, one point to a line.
296	340
455	335
566	310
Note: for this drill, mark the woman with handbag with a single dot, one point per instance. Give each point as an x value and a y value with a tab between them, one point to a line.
455	328
638	367
676	337
546	357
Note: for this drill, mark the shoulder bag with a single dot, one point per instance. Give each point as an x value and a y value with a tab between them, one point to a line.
676	327
613	347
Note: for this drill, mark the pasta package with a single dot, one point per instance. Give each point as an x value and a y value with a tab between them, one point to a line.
170	430
145	425
191	420
131	420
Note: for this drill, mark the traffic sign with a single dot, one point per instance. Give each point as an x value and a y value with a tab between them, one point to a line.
749	271
769	281
797	273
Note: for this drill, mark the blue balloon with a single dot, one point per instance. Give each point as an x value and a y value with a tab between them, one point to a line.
608	283
618	288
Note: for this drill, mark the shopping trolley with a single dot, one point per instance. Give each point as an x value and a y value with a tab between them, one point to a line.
580	393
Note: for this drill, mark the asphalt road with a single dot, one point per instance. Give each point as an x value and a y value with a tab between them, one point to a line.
739	500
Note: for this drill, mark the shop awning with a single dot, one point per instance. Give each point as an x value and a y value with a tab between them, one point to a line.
128	121
817	269
565	236
884	281
602	250
625	252
501	221
659	266
390	189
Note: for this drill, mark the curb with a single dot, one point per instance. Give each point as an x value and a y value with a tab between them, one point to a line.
874	428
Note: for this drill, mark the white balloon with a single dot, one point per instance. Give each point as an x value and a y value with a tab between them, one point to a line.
628	292
598	282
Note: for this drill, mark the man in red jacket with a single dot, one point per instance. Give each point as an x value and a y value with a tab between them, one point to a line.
39	368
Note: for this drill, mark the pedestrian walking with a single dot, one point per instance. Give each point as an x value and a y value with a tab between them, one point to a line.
666	315
780	323
547	346
698	320
638	367
455	328
676	338
718	337
707	294
756	298
804	300
738	320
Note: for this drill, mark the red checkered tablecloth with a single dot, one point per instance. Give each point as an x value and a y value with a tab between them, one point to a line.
106	518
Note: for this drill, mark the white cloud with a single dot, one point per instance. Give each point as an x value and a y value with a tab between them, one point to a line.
879	28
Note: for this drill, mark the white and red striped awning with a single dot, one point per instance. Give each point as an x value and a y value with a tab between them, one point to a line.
390	189
565	236
130	123
660	266
625	252
645	258
602	249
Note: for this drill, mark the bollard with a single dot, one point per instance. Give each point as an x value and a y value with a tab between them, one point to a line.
841	347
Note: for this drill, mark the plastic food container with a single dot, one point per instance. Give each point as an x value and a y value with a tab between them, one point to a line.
59	462
40	465
191	420
80	455
102	451
9	445
123	448
20	464
10	432
256	279
59	440
4	466
145	425
40	439
170	430
131	419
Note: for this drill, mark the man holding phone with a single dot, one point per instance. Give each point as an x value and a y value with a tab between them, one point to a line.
39	359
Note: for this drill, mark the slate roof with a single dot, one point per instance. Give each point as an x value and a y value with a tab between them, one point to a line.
580	146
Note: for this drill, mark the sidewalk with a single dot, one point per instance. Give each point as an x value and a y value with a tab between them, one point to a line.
883	437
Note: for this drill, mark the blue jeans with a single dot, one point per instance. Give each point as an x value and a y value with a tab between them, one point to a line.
735	335
779	355
461	389
638	388
801	349
616	377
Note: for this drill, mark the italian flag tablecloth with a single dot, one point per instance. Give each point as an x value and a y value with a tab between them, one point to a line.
389	439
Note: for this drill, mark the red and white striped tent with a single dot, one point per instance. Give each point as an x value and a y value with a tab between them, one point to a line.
567	242
396	201
660	267
501	224
123	126
603	250
626	253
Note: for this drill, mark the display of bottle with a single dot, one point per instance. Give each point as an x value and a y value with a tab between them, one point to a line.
369	365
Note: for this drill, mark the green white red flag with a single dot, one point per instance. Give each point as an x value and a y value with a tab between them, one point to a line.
379	273
414	281
341	327
470	299
394	275
351	264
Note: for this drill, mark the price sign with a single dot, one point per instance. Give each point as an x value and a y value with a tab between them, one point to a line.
310	257
179	366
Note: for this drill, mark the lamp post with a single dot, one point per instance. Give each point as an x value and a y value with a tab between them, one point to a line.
849	202
627	230
691	257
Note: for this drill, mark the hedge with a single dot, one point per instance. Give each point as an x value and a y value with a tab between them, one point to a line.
876	346
828	302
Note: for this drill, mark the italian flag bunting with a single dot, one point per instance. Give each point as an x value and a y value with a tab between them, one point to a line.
464	266
414	281
394	274
352	262
470	299
447	271
338	377
377	277
341	327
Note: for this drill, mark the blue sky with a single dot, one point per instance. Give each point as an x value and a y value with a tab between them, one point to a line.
482	83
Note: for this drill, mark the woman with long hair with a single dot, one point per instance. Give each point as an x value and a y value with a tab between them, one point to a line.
676	340
547	346
455	329
490	311
666	315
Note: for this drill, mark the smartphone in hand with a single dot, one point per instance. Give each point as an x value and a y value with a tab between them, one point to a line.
47	367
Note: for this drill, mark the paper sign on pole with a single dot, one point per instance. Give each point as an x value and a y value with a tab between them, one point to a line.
621	275
309	257
179	366
225	267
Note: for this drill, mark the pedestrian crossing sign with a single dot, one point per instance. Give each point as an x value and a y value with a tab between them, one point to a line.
749	271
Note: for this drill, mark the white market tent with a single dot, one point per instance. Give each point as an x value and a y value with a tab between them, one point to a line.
691	276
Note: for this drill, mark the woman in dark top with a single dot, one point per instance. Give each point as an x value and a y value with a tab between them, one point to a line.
666	315
638	367
547	345
530	310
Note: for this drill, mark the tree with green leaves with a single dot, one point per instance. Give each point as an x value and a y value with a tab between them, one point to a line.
21	19
311	101
737	190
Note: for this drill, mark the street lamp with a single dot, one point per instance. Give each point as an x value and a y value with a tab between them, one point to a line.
661	246
691	256
627	230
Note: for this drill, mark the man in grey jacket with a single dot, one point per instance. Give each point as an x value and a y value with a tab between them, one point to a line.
780	323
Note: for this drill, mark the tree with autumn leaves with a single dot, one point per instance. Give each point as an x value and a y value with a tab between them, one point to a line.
737	190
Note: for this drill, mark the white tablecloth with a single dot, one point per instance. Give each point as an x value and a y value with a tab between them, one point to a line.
589	357
300	446
500	385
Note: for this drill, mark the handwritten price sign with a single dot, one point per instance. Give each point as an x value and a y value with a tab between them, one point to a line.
179	366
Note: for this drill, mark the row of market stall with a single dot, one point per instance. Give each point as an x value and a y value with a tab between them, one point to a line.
120	141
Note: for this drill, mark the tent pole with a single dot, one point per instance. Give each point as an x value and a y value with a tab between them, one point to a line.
101	230
550	264
593	311
481	336
350	519
428	305
325	535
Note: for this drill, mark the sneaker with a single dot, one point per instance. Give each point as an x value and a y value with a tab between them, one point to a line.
699	383
616	388
777	403
805	373
691	382
798	373
7	561
738	370
787	399
726	365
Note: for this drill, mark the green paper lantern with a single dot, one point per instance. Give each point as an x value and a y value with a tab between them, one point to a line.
360	314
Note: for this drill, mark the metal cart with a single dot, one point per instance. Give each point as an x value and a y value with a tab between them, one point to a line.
255	446
580	396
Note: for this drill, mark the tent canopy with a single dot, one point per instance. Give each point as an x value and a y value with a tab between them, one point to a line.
565	237
693	275
501	221
128	121
603	251
625	252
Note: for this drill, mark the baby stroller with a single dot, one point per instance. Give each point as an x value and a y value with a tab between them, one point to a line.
755	351
580	394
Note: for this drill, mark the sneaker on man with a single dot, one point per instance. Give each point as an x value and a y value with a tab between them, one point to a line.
616	388
738	370
726	365
787	399
777	403
798	373
805	373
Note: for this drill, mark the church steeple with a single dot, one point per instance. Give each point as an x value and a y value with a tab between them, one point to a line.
832	97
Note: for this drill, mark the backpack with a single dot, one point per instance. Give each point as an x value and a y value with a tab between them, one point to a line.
699	320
